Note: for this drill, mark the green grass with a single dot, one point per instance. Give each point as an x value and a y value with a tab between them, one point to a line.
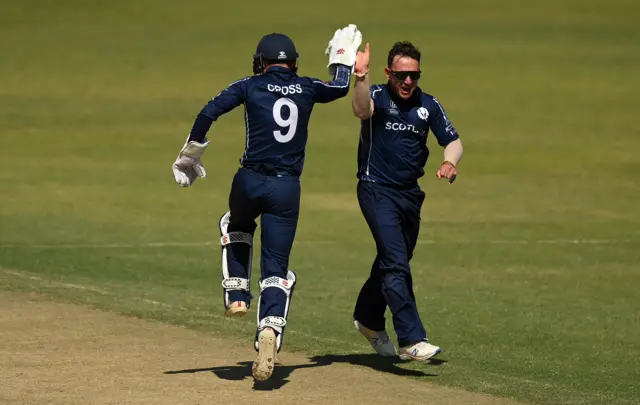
96	100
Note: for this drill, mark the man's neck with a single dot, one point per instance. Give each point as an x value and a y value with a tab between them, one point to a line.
284	65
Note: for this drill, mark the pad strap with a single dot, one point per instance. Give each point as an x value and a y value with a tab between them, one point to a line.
277	282
235	283
277	323
236	237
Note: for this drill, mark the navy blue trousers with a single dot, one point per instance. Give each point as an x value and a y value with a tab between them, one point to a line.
393	216
275	198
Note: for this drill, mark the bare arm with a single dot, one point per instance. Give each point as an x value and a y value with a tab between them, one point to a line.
453	152
361	102
452	156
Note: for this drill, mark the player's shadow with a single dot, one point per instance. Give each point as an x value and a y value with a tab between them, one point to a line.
242	370
378	363
280	376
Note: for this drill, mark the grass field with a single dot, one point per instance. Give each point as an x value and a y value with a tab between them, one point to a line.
527	269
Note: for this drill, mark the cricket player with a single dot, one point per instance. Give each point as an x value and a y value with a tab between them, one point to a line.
277	107
396	118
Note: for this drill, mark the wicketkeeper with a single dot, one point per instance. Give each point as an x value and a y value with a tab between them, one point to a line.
277	107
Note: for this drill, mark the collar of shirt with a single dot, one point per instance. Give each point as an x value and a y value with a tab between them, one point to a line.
278	69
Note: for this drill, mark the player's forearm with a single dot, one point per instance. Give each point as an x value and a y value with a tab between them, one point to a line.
200	128
453	152
361	101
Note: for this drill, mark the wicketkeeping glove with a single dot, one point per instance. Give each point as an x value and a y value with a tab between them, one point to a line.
343	47
187	167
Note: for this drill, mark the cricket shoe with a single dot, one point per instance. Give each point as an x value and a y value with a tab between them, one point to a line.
265	363
237	308
379	340
421	351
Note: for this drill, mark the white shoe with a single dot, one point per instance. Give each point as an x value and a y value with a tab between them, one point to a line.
420	351
265	363
379	340
237	308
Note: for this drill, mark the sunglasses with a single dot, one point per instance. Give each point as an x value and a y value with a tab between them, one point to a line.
402	75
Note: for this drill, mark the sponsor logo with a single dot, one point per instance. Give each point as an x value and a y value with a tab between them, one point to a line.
282	55
451	130
398	126
393	108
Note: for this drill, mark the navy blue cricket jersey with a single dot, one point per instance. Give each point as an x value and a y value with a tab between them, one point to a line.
393	142
277	108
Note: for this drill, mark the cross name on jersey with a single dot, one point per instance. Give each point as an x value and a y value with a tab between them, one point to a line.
285	90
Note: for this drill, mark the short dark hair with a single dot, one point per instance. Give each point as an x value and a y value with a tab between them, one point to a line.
403	48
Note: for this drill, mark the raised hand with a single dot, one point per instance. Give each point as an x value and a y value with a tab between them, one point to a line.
362	61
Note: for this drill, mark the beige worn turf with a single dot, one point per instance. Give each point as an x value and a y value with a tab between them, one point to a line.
54	353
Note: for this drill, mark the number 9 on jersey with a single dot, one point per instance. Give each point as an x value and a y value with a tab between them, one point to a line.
290	123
